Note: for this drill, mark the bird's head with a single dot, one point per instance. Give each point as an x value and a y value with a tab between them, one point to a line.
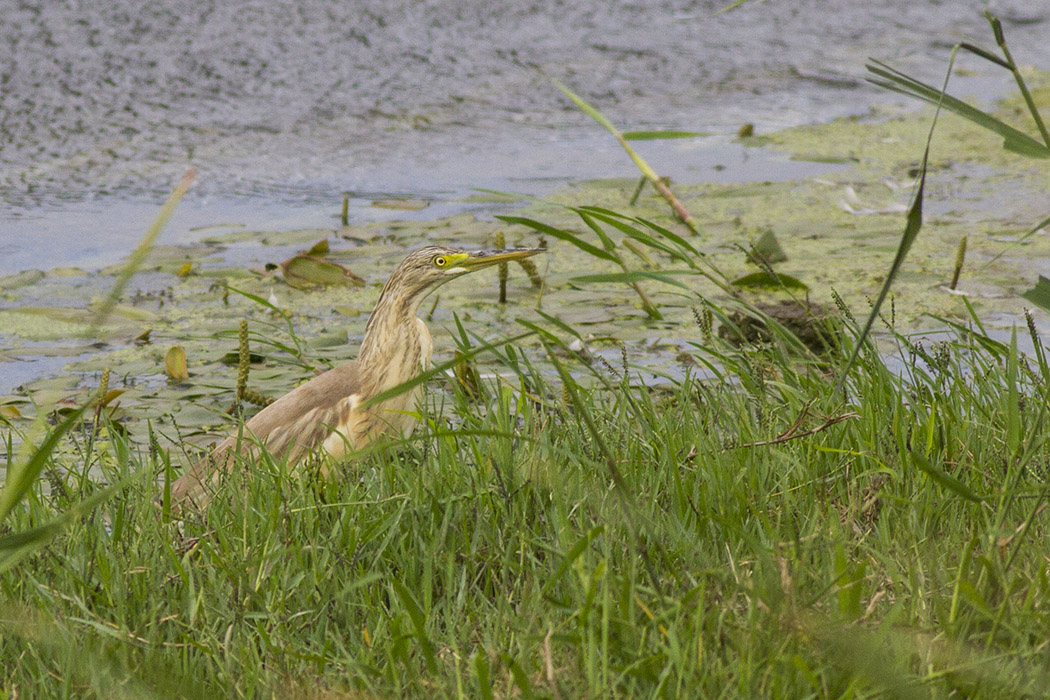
418	275
428	268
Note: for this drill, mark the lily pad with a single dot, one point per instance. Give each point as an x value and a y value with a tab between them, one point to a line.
400	204
175	362
305	271
111	395
319	248
347	310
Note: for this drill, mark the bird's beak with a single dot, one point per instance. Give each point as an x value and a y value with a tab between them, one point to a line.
485	258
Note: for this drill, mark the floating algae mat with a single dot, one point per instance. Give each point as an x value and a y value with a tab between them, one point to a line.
837	232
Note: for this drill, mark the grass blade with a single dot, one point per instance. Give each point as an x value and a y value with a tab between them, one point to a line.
18	545
658	184
415	614
1013	139
662	134
560	235
944	479
911	231
143	249
573	554
1028	234
1040	293
635	277
20	477
438	369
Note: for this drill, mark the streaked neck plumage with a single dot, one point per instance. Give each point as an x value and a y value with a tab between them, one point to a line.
394	344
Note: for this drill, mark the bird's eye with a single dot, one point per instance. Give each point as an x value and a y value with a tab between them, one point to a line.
440	261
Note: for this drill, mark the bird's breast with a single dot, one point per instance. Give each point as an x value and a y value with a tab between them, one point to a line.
357	427
426	345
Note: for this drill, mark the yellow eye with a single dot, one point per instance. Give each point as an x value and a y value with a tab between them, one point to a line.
440	260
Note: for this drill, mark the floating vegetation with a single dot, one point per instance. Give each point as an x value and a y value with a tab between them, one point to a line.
175	363
306	271
400	204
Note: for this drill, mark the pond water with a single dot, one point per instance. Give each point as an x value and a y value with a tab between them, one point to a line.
286	108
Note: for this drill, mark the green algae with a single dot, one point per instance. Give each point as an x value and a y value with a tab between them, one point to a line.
21	279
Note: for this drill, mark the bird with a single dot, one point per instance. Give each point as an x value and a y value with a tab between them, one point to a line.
327	413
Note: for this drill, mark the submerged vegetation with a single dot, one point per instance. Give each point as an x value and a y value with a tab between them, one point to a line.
571	519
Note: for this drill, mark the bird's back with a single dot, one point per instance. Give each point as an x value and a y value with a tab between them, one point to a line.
289	428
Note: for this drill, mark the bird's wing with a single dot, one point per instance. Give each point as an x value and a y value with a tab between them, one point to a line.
290	427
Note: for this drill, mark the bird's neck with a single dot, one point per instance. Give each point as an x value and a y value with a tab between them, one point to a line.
392	330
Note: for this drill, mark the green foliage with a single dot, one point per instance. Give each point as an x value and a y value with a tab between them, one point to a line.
580	533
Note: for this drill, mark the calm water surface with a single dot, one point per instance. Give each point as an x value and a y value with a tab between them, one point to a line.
286	107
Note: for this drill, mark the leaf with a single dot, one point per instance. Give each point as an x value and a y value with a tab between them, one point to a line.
415	614
305	271
110	396
561	235
1040	293
911	231
481	670
60	314
573	554
347	310
733	5
679	209
400	204
1013	139
662	134
627	229
765	279
143	249
1028	234
636	276
607	242
20	477
521	679
16	545
21	279
560	324
767	248
175	362
319	248
439	369
944	479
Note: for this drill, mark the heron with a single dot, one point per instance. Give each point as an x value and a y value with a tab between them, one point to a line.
328	414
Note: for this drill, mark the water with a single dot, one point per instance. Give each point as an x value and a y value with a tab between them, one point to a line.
285	107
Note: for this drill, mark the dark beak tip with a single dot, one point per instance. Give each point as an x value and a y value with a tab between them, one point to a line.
524	252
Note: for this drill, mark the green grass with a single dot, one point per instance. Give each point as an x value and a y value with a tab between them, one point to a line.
769	526
584	539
